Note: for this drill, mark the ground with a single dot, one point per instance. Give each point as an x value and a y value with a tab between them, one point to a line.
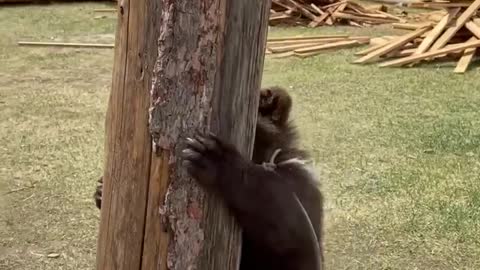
397	149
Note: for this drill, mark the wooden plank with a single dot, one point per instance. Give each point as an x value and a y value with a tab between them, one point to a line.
306	37
438	5
393	45
393	17
279	16
287	44
341	7
459	23
358	9
105	10
413	58
344	15
319	20
303	10
283	55
466	58
279	3
64	44
317	9
372	48
329	46
292	47
411	26
336	4
474	28
302	41
402	53
436	31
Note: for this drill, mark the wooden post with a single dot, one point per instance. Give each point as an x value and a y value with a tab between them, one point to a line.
180	66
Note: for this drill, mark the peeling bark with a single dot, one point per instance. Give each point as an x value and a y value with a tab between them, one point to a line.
209	60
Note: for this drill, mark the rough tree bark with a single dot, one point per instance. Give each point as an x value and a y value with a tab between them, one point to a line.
180	66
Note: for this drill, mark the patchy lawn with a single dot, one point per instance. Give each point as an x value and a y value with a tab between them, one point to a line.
398	149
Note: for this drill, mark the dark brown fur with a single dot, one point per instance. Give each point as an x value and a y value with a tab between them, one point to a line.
275	104
263	197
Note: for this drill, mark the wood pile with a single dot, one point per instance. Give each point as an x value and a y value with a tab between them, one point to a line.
441	4
456	36
310	46
315	13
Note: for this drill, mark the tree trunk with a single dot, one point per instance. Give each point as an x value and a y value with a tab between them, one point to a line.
206	77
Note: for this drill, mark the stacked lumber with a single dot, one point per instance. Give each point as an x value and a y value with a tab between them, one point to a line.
316	13
455	36
441	4
310	46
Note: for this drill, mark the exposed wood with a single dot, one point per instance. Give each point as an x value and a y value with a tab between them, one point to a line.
459	23
280	49
206	77
283	54
303	10
413	58
410	26
335	4
440	5
393	17
306	38
372	48
279	16
317	9
315	13
403	53
64	44
436	31
225	82
127	146
328	46
303	41
444	41
466	58
393	45
310	47
105	10
343	15
474	28
286	48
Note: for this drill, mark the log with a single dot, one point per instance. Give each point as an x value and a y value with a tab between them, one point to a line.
179	67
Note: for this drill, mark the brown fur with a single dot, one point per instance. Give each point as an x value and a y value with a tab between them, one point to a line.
276	233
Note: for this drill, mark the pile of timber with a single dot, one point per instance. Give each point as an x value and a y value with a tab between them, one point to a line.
441	4
317	13
312	45
456	36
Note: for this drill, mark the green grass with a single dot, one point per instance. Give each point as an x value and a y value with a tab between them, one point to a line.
398	149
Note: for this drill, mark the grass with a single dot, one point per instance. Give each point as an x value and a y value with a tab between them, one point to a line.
398	149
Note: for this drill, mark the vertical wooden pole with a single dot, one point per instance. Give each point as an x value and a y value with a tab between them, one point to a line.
180	66
128	142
